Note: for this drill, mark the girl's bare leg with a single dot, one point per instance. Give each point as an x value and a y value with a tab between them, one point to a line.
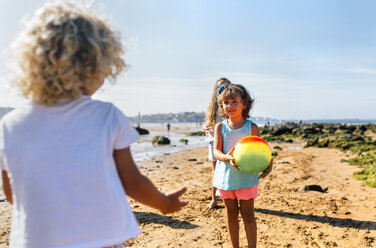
232	210
214	201
248	215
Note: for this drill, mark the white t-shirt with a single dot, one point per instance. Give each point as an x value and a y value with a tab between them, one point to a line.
65	186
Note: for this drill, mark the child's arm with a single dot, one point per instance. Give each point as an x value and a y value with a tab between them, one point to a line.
267	170
256	132
6	186
142	189
218	154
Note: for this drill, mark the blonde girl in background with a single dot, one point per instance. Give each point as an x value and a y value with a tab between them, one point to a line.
237	189
212	118
65	158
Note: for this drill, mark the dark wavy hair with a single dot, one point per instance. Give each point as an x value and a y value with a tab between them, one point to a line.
231	92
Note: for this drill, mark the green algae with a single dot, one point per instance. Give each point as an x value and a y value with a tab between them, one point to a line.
353	138
368	175
197	133
185	141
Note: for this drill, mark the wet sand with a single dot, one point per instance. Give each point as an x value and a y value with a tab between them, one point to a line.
345	216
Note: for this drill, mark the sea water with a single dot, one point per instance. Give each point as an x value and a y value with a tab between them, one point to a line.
144	149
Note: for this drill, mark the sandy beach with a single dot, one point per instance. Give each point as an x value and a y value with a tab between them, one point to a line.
344	216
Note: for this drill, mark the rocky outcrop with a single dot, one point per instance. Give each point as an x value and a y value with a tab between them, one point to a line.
142	131
160	140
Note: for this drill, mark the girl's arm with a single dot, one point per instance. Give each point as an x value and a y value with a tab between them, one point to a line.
267	170
142	189
218	154
6	186
255	130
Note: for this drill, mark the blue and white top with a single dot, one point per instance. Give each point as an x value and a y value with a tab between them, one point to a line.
226	176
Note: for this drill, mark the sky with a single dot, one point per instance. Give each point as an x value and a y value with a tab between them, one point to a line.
312	59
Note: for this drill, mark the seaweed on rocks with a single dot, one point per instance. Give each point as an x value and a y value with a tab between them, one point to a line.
354	138
161	140
197	133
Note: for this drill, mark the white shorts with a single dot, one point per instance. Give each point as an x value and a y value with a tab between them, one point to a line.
211	151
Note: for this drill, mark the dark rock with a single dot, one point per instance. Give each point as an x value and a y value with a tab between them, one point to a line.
314	187
310	130
192	159
279	130
160	140
312	142
185	141
323	143
142	131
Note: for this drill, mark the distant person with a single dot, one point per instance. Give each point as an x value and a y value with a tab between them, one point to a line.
168	127
212	118
65	158
237	189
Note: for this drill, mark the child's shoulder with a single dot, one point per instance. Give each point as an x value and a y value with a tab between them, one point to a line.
102	104
255	129
218	127
15	114
219	124
107	107
254	124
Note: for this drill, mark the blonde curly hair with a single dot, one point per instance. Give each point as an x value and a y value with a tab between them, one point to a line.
63	51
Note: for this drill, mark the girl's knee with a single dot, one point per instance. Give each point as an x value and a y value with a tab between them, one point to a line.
248	215
232	211
249	218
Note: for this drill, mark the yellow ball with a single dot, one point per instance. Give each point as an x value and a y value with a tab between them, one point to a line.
252	154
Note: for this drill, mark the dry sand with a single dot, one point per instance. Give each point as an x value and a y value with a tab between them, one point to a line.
345	216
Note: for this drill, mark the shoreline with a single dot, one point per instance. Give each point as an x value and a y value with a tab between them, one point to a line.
342	217
143	149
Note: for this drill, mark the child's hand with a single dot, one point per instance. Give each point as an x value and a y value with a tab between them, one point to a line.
207	128
267	170
229	158
232	160
174	203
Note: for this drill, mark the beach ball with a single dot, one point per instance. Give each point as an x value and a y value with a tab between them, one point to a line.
252	154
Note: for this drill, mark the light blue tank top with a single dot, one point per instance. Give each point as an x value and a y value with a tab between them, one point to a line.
227	177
